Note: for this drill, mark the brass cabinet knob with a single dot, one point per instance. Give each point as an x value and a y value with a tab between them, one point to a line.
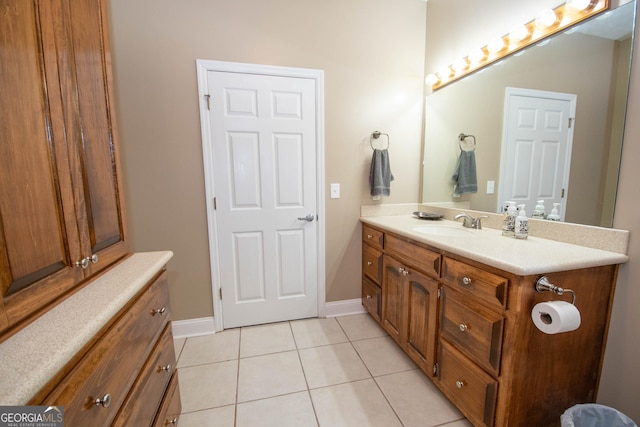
466	280
463	327
460	384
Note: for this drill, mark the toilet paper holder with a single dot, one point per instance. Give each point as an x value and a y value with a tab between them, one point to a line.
544	285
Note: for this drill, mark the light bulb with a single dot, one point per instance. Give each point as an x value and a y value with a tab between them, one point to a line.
495	45
445	73
547	18
460	65
476	56
518	33
582	5
431	79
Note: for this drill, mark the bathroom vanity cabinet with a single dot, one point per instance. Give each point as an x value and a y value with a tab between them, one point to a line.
468	326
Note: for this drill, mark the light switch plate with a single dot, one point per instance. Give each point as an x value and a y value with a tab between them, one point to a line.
491	187
335	191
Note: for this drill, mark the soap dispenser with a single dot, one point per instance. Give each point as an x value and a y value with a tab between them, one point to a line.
539	212
554	215
522	224
509	222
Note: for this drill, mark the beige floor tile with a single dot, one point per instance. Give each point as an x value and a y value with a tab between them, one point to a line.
358	403
332	364
270	375
416	400
360	327
265	339
212	348
290	410
315	332
383	356
208	386
460	423
218	417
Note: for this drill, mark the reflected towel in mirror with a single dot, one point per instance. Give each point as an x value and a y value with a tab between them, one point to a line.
380	175
464	177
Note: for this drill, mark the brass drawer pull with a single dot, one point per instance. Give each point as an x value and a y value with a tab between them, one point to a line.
105	401
159	311
463	327
466	280
460	384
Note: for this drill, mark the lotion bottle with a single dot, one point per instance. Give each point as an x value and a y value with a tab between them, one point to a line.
539	212
509	222
554	215
522	224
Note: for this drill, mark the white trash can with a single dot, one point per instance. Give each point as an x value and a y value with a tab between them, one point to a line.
594	415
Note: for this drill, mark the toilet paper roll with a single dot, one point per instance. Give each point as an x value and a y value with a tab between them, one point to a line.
554	317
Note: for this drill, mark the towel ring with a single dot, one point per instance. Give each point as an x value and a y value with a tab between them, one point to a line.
462	137
376	135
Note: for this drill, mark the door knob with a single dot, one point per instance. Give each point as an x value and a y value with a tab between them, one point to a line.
309	217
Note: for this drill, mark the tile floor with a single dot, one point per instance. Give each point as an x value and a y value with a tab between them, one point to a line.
343	371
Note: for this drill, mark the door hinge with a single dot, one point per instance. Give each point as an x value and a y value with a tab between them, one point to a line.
220	294
215	204
435	368
208	97
571	119
562	195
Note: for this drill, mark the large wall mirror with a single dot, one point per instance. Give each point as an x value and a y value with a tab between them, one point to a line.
591	61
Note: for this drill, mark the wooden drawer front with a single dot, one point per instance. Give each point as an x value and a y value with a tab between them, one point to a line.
139	409
471	389
481	284
373	237
371	299
169	413
418	257
372	263
113	363
476	331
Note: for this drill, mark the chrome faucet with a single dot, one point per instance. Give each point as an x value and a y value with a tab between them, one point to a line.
469	221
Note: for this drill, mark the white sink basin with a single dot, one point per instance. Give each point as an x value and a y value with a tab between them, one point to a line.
444	230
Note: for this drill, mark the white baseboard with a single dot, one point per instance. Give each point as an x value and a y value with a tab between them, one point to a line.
206	325
193	327
344	307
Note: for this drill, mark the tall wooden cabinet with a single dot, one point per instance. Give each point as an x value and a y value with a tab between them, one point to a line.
61	207
62	222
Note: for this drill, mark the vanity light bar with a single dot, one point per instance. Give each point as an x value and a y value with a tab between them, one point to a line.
547	23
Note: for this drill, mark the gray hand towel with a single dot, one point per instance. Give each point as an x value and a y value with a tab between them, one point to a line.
380	175
464	177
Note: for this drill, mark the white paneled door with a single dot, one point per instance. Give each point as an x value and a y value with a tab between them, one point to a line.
263	148
536	148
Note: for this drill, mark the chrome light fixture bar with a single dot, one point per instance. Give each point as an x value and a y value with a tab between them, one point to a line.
547	23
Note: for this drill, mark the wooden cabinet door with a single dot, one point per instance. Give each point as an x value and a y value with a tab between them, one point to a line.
96	178
393	294
38	231
422	317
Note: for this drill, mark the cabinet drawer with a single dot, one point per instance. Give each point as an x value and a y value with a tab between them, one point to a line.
471	389
373	237
112	364
416	256
139	409
488	287
372	299
169	412
372	263
476	331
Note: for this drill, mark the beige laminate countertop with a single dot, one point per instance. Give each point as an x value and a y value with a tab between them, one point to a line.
31	357
519	256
